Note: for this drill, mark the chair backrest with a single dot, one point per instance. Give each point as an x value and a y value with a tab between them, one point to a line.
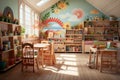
48	55
27	55
45	41
52	47
28	50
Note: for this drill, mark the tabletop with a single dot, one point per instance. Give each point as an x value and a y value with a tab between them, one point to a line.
40	45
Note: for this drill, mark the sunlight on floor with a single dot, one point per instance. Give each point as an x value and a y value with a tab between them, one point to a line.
69	63
67	55
73	71
66	64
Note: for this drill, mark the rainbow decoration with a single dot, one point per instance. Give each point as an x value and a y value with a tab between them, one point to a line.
53	20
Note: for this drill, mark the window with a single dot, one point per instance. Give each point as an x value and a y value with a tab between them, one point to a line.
29	20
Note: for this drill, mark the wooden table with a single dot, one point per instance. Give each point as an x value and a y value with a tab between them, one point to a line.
40	46
95	53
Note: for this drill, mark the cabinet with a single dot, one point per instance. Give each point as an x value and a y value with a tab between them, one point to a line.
101	31
10	45
74	39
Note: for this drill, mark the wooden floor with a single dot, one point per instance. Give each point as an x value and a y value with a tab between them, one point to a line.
68	67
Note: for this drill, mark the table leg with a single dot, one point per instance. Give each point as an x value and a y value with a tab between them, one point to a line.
96	63
42	57
89	59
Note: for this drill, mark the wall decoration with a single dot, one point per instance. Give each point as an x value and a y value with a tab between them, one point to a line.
61	5
58	21
67	25
55	33
8	13
56	11
94	11
52	33
78	13
46	16
71	13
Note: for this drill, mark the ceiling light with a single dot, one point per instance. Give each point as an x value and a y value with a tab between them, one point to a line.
42	2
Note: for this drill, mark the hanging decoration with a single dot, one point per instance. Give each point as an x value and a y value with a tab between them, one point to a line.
94	11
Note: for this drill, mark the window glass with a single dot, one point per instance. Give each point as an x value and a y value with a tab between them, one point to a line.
29	19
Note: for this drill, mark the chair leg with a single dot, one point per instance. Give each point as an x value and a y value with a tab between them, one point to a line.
22	68
100	68
37	63
51	60
33	68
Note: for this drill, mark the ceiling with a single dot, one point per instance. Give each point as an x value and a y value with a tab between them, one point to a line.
108	7
43	7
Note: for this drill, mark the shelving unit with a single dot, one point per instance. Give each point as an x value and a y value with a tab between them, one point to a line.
100	31
74	39
10	45
59	44
71	42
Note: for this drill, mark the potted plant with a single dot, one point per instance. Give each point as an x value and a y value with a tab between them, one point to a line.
23	31
3	64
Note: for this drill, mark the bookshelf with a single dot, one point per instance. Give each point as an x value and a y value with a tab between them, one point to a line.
74	39
100	31
70	41
10	45
59	44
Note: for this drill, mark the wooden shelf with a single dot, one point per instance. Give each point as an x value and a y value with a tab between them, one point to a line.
73	41
18	61
103	29
10	42
7	68
7	51
100	31
74	51
1	22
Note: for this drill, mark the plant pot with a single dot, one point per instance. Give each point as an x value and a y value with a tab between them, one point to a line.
2	65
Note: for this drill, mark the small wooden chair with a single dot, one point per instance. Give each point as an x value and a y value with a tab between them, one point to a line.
45	42
108	60
28	58
48	55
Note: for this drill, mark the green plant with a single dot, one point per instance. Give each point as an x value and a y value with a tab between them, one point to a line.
22	30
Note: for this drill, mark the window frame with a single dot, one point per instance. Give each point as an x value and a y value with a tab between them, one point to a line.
30	29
